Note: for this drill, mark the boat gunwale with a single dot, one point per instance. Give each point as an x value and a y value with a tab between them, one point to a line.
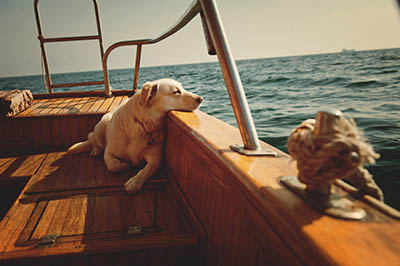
295	222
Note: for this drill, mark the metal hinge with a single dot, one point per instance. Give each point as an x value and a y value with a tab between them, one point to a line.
134	230
48	241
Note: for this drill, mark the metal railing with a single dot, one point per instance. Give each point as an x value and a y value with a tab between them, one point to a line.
217	45
191	12
44	40
215	30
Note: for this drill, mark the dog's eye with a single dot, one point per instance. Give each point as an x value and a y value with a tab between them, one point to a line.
177	91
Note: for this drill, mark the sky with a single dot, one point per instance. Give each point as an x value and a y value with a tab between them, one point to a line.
255	29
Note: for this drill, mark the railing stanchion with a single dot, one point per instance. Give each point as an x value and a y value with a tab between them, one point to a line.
137	66
107	87
233	83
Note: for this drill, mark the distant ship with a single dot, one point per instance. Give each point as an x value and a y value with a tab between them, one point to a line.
348	50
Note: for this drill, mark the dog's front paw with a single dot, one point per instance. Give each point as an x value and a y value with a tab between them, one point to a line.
133	185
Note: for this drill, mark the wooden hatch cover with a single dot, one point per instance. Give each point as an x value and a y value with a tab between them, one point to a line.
88	219
77	207
62	176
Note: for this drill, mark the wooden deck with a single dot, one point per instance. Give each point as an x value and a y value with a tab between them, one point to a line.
55	122
77	200
45	193
72	105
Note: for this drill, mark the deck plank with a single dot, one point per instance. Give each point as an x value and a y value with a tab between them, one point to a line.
62	213
74	224
107	103
14	221
19	169
47	107
72	105
75	172
55	106
98	221
78	105
96	105
42	229
117	102
12	225
86	106
36	104
4	162
48	167
66	104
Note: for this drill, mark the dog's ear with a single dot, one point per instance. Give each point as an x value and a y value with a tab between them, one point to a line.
148	92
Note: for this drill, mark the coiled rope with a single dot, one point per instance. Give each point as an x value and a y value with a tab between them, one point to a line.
337	153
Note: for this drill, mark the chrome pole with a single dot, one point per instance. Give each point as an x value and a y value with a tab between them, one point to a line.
137	66
232	81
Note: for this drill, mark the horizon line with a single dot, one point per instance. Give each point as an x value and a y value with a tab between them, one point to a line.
197	63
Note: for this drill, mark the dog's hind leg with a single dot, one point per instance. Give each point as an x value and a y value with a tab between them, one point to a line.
114	164
98	141
96	150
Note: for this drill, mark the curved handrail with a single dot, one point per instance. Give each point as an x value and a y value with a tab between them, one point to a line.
190	13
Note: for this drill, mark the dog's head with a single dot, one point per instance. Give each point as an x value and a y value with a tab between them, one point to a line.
165	95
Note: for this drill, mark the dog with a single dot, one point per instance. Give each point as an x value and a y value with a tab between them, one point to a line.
134	132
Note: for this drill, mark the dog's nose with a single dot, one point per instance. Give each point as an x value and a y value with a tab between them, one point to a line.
199	99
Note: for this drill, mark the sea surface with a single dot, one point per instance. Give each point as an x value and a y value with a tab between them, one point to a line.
282	92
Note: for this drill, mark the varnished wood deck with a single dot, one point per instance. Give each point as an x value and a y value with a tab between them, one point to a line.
77	199
72	105
85	206
54	122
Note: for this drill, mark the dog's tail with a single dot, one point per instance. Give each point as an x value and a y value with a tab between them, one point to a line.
79	147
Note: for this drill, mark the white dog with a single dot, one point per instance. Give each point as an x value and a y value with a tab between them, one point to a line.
134	132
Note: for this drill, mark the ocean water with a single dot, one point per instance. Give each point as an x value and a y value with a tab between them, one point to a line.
282	92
